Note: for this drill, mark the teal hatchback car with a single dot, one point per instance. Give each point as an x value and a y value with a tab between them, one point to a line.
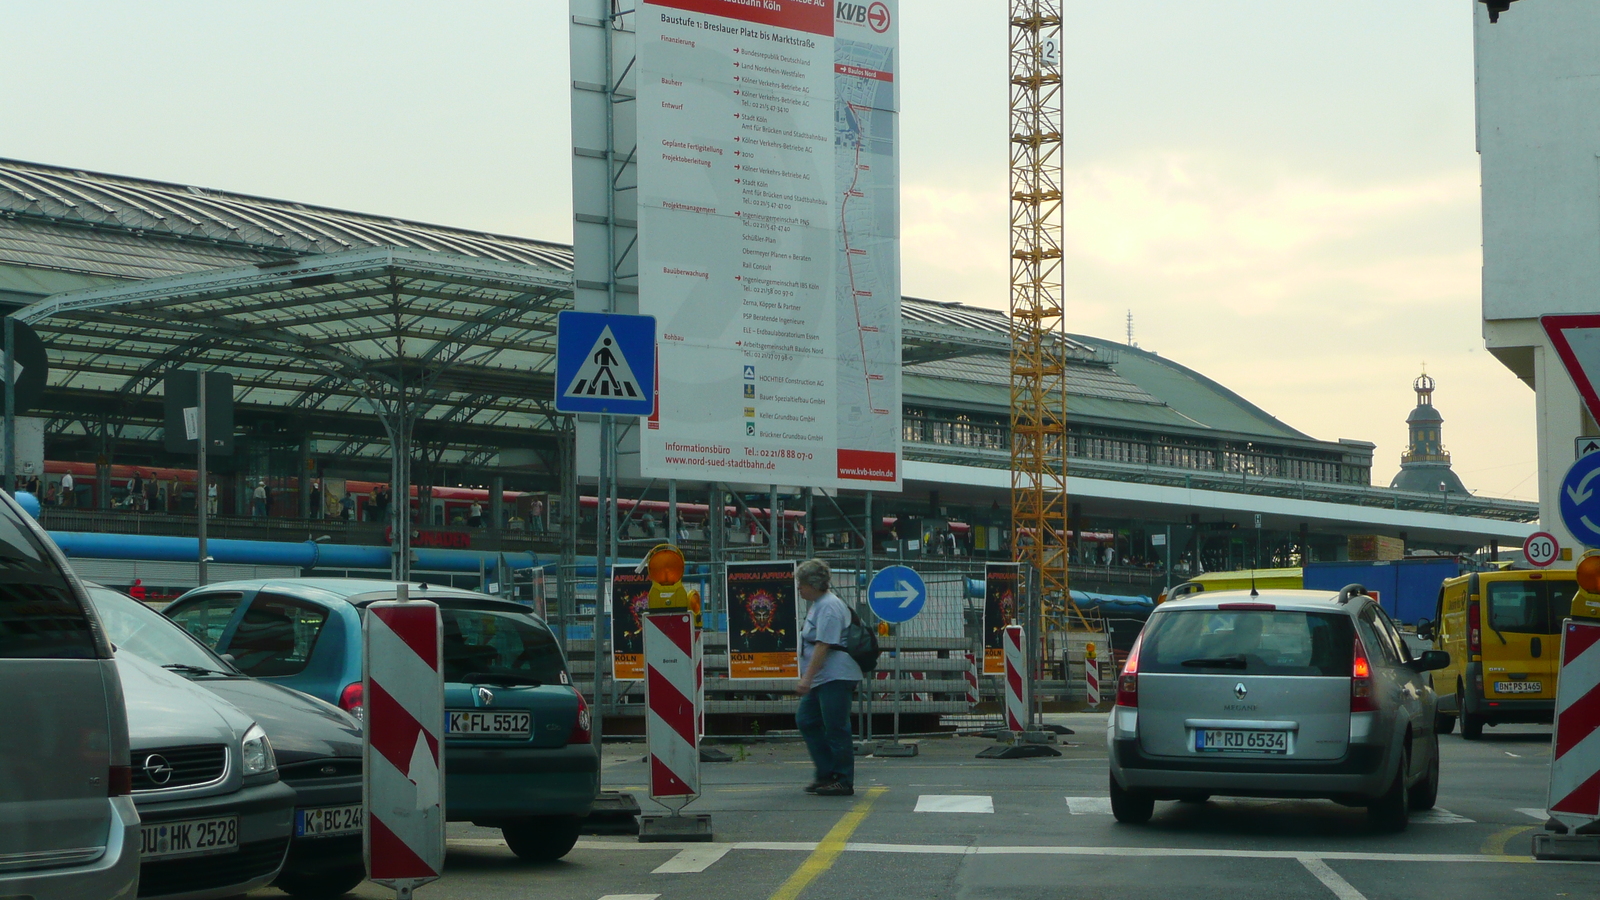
518	754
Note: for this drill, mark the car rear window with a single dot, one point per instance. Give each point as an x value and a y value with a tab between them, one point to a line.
40	617
1529	607
1248	642
488	641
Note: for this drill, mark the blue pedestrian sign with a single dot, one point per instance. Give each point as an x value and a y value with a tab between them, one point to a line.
1580	500
897	594
605	363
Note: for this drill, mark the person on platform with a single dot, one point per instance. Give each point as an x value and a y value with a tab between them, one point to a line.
828	681
211	498
316	499
136	491
258	500
67	497
475	516
536	516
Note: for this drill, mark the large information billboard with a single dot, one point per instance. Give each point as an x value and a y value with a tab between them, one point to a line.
769	240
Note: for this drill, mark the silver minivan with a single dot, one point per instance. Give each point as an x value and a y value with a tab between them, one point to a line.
68	826
1297	694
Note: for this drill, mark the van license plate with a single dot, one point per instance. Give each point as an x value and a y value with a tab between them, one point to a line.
1518	687
1216	739
195	837
483	723
327	821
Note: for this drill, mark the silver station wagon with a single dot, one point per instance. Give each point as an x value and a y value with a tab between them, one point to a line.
1294	694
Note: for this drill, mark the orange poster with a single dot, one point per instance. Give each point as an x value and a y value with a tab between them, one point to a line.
763	621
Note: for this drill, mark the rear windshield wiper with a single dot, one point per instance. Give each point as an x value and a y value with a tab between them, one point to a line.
1217	662
187	669
506	678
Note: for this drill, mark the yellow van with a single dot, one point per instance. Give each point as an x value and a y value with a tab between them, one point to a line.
1241	580
1503	633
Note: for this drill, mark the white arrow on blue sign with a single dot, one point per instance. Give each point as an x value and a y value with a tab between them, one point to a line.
1580	500
897	594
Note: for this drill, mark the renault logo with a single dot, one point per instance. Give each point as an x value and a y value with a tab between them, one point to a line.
156	769
1239	690
485	697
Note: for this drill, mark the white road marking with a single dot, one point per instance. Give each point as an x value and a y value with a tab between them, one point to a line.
1032	850
1508	752
630	897
1089	806
1540	814
1437	816
955	803
693	859
1331	879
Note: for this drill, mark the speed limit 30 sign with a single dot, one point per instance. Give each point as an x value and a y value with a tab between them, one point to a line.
1541	549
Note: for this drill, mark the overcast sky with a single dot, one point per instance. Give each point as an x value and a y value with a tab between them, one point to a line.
1284	194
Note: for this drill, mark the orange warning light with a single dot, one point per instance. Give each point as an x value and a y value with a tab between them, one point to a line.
1589	572
665	563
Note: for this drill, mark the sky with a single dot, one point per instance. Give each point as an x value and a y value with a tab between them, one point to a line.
1284	195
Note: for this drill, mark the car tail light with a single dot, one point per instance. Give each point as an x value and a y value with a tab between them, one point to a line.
1361	699
1474	629
1128	681
351	700
580	729
120	782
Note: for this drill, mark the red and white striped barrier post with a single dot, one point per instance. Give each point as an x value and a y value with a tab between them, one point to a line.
672	725
1016	685
1091	676
972	681
403	743
1575	751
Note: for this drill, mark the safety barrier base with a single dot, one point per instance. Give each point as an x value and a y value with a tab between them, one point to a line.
660	829
1570	847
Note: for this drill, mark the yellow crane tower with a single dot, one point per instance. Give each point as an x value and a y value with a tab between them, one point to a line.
1038	328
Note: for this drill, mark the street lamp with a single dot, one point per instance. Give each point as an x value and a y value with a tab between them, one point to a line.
1496	7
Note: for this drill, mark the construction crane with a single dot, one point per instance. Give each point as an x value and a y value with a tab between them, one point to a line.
1038	327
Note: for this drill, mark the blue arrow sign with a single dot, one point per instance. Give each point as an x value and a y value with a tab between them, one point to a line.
605	363
1580	500
897	594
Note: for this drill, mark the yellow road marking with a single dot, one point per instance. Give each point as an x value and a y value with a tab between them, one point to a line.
828	850
1496	844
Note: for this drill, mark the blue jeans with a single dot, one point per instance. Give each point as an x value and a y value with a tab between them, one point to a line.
824	721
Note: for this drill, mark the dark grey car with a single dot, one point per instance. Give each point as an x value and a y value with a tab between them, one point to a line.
1298	694
317	745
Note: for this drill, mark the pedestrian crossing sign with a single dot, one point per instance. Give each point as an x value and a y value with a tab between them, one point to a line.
605	363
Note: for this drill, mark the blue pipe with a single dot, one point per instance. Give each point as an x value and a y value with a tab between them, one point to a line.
302	554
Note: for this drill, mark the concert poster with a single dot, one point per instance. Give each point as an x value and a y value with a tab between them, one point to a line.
630	599
999	609
763	620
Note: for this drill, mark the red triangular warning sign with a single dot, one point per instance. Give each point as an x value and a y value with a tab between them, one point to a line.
1577	341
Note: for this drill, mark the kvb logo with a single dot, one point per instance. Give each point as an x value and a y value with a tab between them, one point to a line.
874	15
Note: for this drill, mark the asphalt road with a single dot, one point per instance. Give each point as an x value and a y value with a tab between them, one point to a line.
948	825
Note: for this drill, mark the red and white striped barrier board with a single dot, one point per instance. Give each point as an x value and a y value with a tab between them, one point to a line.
1575	751
917	696
672	722
1091	681
403	738
1016	704
972	680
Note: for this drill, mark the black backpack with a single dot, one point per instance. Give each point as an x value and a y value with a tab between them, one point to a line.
861	642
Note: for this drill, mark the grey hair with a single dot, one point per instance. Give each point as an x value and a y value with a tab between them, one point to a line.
814	574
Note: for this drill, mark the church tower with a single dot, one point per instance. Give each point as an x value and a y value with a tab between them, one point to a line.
1425	465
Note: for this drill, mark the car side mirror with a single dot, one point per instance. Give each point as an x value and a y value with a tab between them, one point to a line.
1431	660
1425	629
